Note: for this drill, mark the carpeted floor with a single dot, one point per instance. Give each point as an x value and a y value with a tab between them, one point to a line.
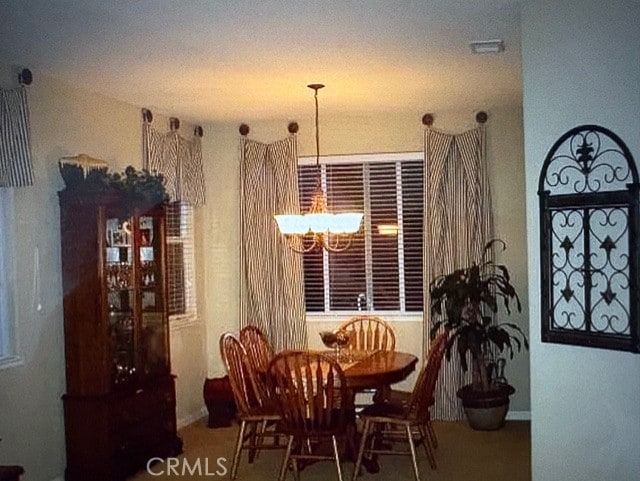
462	454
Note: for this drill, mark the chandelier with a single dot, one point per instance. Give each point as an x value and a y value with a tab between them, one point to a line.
319	228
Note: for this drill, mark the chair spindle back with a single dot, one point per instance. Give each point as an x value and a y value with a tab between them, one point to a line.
258	347
246	389
422	397
311	392
369	333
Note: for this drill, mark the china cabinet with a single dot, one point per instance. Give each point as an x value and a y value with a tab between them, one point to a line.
120	402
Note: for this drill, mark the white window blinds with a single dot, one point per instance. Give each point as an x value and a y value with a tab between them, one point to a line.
382	270
180	262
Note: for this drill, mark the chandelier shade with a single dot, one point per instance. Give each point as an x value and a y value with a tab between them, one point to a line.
303	224
319	228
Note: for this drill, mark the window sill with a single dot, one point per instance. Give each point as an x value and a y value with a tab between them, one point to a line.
183	321
11	361
339	316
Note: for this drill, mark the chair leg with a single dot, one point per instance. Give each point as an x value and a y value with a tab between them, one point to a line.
336	455
412	447
253	441
432	434
363	441
427	446
424	438
377	443
296	471
236	453
262	428
351	449
285	460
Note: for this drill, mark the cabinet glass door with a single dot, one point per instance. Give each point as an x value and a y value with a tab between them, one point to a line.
120	287
153	330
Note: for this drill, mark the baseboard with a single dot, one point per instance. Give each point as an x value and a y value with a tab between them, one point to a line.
519	416
191	418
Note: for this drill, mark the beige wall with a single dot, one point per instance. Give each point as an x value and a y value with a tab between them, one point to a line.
584	406
65	120
344	134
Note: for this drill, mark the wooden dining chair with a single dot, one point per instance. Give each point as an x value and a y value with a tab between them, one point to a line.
315	406
255	411
369	333
258	347
407	415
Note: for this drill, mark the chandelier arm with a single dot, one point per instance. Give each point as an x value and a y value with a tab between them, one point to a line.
328	242
336	249
337	245
291	243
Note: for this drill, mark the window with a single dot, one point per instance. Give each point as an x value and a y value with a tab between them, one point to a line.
180	264
7	318
382	270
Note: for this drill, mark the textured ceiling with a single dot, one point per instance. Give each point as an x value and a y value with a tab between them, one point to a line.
213	60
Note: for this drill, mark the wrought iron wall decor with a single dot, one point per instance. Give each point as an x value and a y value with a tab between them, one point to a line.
589	213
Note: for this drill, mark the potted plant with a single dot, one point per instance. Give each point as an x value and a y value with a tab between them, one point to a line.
463	302
139	188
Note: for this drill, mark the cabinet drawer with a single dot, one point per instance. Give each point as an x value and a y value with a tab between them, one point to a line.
138	406
149	401
145	431
123	412
144	439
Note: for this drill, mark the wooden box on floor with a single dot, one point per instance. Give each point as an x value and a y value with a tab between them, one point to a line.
219	400
11	473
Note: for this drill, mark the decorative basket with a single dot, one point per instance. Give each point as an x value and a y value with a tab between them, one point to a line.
77	170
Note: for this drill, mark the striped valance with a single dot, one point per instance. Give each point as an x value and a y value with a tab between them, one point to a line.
16	168
180	162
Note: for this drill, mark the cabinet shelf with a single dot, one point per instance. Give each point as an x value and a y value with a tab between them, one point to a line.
121	289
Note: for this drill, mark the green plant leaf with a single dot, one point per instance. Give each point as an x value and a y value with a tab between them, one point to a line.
434	329
462	300
463	347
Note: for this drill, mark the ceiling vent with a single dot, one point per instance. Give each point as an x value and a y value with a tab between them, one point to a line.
487	46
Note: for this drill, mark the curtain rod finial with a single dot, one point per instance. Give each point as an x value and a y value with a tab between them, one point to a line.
147	116
427	119
25	77
244	129
481	117
293	127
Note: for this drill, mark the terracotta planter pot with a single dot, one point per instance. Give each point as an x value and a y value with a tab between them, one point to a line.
486	410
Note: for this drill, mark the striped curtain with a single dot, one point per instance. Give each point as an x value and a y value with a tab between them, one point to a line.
179	160
272	284
16	169
458	223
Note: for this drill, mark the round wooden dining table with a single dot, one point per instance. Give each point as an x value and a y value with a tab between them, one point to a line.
377	369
